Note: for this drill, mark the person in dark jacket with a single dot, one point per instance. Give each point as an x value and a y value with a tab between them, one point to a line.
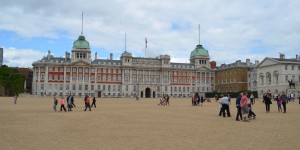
55	104
284	101
267	100
238	106
94	102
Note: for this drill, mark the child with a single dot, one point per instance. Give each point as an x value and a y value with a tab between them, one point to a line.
251	113
279	102
62	104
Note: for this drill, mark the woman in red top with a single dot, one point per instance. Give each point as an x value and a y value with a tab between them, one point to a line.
244	106
62	104
87	103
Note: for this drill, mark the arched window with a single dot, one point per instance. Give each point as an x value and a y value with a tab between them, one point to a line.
268	78
276	76
261	77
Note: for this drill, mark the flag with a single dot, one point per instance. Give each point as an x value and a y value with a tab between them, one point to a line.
146	41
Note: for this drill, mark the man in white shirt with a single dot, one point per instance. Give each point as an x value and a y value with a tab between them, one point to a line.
224	101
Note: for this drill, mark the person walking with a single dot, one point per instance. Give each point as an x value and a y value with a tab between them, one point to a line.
15	99
238	107
72	100
279	102
62	104
221	113
167	99
225	106
69	101
201	100
197	99
55	104
267	101
284	100
251	99
87	103
244	106
94	102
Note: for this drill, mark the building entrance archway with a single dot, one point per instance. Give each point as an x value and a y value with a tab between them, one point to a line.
148	92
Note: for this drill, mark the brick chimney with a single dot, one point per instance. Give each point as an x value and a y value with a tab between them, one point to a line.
213	64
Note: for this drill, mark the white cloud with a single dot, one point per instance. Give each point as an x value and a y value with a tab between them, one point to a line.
230	30
21	57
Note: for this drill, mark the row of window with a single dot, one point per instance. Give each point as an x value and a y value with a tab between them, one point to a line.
223	81
127	71
286	67
232	71
276	77
114	88
108	78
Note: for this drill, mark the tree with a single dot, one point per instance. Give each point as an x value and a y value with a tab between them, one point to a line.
12	81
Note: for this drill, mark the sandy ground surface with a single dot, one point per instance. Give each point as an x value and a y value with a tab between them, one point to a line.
123	124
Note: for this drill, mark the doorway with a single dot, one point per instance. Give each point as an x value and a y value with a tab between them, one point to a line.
99	93
148	92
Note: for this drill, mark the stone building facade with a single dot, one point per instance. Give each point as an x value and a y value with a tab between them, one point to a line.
274	74
233	77
129	76
252	76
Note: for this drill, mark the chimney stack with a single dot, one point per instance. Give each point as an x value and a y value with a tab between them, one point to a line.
96	56
49	53
248	62
213	64
281	56
297	58
111	56
67	55
256	62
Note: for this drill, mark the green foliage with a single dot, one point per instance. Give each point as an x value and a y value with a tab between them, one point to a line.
12	81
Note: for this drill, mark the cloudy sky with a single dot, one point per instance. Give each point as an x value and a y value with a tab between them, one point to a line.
230	29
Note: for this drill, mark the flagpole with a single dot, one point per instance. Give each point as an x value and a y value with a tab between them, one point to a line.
199	34
145	46
82	23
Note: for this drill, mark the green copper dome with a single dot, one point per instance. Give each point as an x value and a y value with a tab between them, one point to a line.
81	43
199	51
